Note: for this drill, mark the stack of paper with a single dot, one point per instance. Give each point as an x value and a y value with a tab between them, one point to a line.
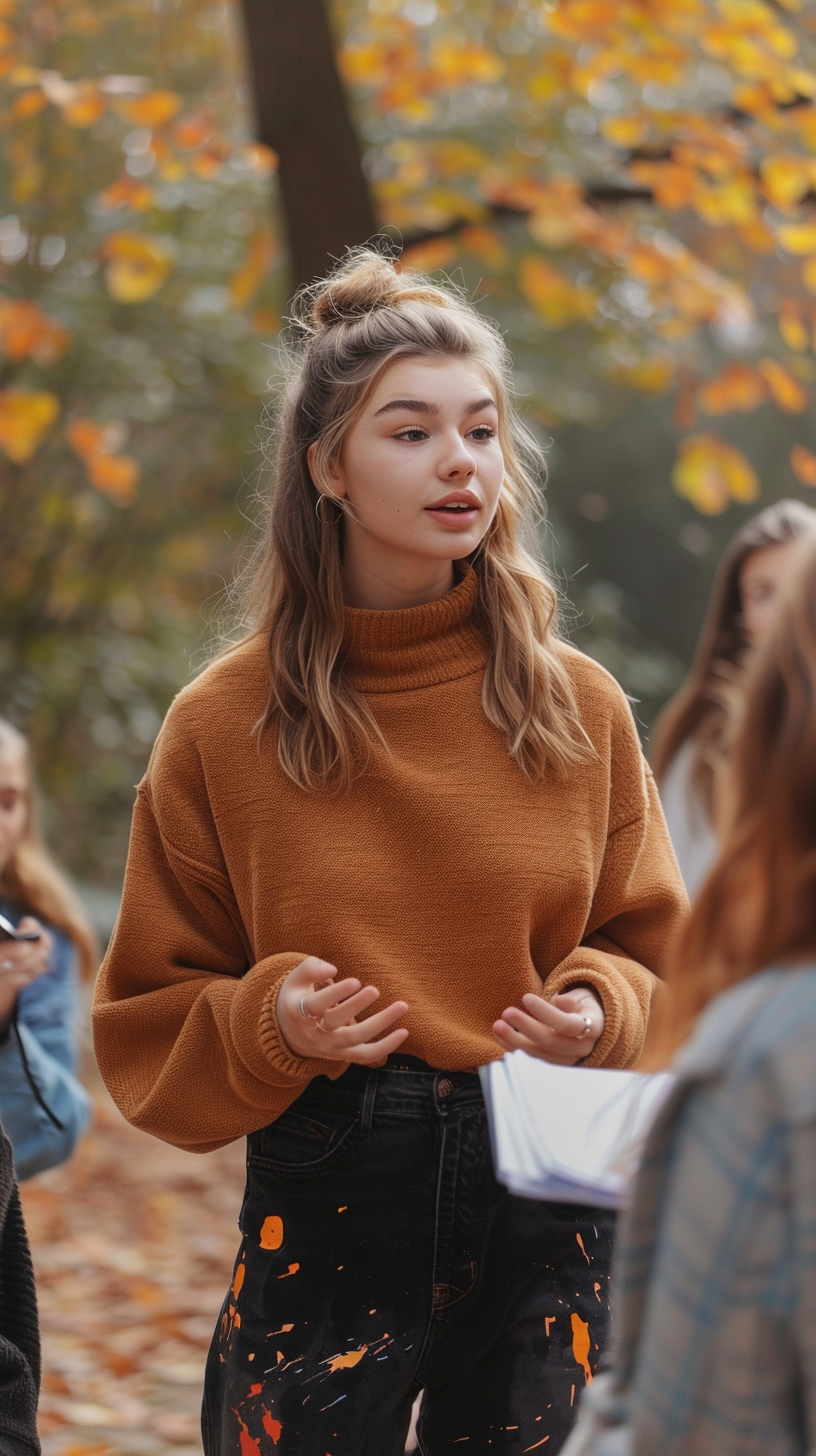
568	1134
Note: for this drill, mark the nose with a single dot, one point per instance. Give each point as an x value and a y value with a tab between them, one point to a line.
457	463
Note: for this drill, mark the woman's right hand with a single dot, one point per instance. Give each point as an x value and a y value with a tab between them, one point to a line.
317	1017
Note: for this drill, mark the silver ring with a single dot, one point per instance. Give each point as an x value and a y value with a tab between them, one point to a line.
8	965
587	1020
307	1015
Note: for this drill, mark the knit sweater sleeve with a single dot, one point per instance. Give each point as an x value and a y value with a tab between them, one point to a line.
185	1025
638	903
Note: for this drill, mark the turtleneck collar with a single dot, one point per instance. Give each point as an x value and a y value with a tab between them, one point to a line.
395	651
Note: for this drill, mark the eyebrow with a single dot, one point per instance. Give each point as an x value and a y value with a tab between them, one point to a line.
421	406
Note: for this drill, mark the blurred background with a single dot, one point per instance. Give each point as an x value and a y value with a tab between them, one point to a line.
625	186
628	186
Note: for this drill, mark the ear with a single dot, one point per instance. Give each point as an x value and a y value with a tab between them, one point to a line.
335	474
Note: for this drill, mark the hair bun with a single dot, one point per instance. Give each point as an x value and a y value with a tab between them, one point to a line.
361	283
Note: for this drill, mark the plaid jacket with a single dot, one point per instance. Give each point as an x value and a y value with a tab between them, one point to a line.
714	1352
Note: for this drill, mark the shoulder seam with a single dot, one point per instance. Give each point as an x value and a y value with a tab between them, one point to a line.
204	872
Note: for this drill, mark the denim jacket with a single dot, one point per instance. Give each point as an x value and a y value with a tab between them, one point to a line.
714	1294
47	1023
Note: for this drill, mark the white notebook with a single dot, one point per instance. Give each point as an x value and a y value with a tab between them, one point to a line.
568	1134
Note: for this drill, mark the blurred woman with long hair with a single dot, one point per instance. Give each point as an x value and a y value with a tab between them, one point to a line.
43	1107
715	1346
403	785
690	736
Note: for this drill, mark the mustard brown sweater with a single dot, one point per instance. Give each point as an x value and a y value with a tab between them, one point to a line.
444	876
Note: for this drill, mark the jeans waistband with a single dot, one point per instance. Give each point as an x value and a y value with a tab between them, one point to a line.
404	1084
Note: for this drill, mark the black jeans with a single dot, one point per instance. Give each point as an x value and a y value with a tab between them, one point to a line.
380	1257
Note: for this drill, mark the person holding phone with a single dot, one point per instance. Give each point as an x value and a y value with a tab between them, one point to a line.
44	936
398	830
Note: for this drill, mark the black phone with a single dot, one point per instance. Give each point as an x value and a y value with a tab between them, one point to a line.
8	932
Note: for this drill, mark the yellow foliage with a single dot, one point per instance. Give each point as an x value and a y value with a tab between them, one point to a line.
458	62
27	332
625	131
792	326
26	418
711	473
654	376
786	391
153	109
86	107
137	266
786	179
127	192
803	465
809	274
28	103
556	299
737	387
798	237
673	186
247	279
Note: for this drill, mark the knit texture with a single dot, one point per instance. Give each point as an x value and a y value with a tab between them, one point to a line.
19	1328
443	876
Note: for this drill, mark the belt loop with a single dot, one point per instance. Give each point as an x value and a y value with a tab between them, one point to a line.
369	1098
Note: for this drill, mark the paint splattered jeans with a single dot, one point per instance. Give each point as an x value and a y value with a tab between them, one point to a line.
380	1257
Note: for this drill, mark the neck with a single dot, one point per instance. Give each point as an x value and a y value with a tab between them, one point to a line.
388	581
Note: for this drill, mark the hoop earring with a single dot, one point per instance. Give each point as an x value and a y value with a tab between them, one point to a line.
320	499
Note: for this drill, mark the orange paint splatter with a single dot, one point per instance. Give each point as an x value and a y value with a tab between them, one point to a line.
581	1345
284	1330
252	1356
238	1281
596	1287
272	1232
280	1357
255	1389
272	1427
572	1395
549	1319
344	1209
583	1250
249	1446
536	1444
236	1322
293	1268
347	1361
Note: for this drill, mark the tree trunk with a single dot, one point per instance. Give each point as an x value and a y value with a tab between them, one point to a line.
302	113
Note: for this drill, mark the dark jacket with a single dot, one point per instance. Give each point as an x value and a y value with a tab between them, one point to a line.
19	1330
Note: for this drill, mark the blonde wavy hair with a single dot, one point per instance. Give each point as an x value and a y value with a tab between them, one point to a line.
32	880
348	329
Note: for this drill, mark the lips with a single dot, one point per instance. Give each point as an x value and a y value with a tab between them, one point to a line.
456	503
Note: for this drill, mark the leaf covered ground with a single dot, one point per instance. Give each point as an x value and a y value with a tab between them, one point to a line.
133	1245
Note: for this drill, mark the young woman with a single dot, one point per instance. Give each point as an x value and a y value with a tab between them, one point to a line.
716	1326
689	738
399	829
43	1108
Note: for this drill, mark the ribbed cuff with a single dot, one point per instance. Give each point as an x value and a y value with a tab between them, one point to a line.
582	969
256	1033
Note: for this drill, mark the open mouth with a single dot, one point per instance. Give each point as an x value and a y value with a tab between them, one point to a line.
457	508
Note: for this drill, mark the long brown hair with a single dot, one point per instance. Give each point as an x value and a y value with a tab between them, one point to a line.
349	328
699	710
758	906
33	881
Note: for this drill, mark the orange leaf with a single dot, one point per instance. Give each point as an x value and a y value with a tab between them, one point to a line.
247	279
785	180
154	108
27	332
28	104
26	417
556	299
709	472
803	465
117	476
738	387
427	257
787	391
126	192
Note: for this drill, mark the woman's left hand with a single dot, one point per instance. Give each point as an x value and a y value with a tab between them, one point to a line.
21	962
563	1030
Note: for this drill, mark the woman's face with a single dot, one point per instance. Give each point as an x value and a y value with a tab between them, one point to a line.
762	575
13	800
421	469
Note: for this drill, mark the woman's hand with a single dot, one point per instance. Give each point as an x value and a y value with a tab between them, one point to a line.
563	1030
21	962
317	1017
